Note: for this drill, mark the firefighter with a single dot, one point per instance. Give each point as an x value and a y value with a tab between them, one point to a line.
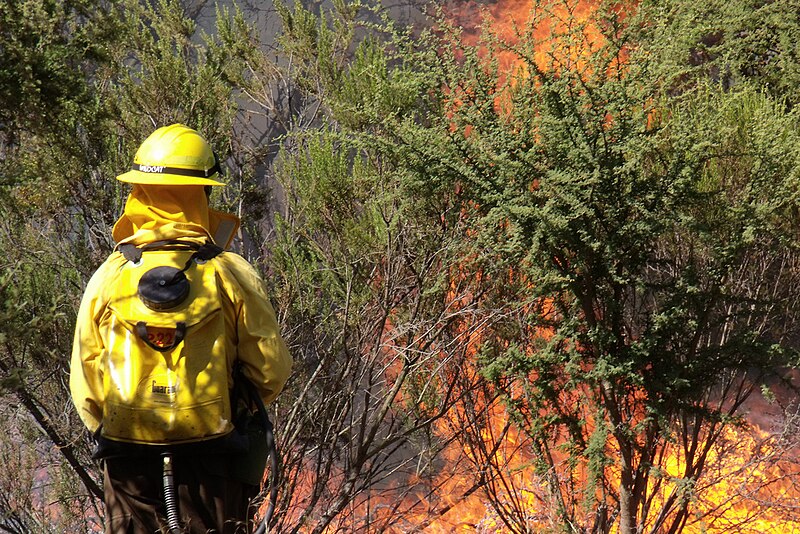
154	354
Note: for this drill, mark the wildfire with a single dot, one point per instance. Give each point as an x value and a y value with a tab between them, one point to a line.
749	472
516	25
489	473
749	475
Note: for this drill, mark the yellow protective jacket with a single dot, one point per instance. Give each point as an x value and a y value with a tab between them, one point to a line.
154	213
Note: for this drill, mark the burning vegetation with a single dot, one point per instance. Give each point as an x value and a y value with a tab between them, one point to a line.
605	324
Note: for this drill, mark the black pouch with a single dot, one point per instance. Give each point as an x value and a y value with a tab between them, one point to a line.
249	467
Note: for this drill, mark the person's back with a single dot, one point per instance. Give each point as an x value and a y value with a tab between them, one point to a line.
162	325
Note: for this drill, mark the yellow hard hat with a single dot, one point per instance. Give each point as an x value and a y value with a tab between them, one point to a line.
174	155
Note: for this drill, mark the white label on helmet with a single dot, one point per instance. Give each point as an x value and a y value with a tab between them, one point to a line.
151	168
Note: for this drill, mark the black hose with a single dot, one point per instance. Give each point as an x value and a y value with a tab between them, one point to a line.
272	450
273	470
170	500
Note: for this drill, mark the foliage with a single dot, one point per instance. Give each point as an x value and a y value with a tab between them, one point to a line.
48	50
82	83
370	292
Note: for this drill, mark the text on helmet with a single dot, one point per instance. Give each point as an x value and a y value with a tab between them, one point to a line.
151	168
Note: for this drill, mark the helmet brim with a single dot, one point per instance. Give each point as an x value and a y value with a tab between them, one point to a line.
148	178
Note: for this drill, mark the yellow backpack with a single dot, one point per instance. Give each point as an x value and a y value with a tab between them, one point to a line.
166	374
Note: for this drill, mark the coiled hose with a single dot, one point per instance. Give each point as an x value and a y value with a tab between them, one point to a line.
170	499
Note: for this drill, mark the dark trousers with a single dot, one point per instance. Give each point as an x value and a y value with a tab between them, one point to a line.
208	501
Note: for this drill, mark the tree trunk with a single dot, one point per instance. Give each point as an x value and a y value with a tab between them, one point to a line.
627	507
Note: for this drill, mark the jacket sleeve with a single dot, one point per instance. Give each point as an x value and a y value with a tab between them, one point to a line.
259	346
86	371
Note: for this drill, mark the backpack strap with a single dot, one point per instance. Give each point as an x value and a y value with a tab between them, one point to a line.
207	251
204	252
131	252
